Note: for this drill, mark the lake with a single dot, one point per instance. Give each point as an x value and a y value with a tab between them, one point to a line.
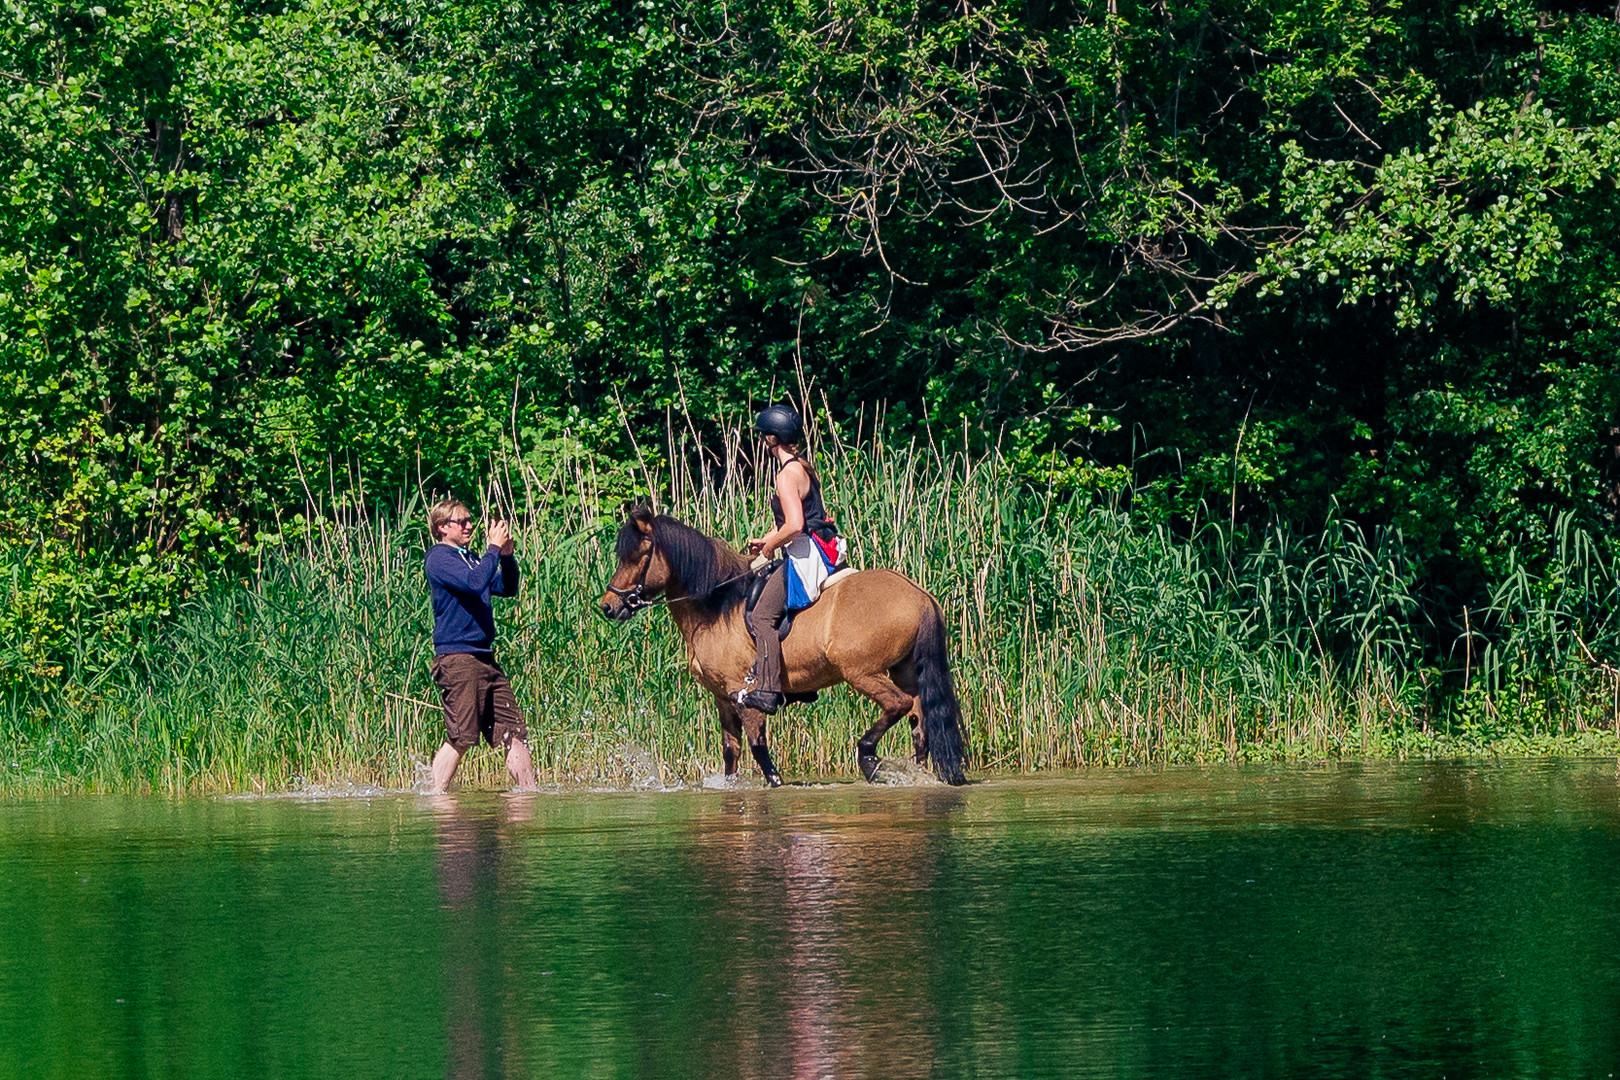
1380	920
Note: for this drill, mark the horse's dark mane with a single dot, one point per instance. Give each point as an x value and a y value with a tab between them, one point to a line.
693	557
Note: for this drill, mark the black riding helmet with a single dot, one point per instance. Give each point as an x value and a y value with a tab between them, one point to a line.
781	421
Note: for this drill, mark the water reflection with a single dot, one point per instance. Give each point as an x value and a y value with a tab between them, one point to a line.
472	844
837	907
1348	921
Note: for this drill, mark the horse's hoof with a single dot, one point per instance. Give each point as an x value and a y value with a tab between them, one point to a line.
869	766
773	779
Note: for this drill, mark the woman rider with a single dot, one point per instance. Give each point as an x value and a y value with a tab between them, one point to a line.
798	510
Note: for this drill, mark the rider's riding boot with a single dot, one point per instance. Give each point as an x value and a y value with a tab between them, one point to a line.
766	701
763	688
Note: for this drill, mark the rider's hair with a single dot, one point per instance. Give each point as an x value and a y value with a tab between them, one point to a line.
792	448
441	512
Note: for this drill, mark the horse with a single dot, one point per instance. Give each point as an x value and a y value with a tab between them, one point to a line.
876	630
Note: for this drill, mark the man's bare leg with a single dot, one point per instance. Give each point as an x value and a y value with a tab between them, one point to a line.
444	767
520	763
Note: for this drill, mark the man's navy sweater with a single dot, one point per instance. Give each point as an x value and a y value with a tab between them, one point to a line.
461	586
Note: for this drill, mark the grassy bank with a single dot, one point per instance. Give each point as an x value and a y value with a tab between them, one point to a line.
1080	638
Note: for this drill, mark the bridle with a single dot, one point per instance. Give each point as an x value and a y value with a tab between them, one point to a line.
634	598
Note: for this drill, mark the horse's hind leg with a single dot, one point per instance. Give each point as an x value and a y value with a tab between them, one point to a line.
904	675
894	702
919	741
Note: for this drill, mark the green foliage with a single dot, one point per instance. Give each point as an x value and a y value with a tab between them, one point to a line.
1322	262
1078	638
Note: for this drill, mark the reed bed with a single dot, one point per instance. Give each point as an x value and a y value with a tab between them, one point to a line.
1080	638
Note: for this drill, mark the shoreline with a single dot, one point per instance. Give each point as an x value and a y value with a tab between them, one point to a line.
485	774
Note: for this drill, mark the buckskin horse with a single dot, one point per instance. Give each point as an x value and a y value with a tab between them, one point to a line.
874	629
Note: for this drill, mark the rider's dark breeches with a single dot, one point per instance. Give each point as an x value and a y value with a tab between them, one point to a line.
763	621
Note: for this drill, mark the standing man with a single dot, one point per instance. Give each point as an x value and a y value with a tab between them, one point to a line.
476	694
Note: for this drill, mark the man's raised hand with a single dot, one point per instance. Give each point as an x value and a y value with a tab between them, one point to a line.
500	536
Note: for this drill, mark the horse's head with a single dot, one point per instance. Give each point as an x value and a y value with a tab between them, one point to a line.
642	572
660	558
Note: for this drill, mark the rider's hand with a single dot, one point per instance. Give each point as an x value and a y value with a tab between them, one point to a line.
756	545
500	536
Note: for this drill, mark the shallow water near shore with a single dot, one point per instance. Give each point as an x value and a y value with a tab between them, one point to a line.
1432	919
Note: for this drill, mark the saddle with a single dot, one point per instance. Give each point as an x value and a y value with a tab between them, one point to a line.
757	586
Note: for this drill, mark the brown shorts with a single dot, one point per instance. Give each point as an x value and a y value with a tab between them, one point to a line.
477	701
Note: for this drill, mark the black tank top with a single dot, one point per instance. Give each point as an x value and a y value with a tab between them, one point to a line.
815	512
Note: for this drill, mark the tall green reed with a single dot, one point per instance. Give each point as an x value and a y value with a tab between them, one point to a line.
1079	637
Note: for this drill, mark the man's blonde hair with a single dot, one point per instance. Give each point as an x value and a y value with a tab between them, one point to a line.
441	512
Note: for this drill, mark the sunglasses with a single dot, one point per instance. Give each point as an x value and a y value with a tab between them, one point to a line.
458	521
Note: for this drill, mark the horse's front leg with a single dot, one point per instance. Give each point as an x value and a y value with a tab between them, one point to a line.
754	723
731	730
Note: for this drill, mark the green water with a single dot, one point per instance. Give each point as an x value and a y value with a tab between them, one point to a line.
1455	920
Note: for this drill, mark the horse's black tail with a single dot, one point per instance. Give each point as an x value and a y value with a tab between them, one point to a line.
941	714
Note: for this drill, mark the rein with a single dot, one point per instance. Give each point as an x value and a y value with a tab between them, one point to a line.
633	598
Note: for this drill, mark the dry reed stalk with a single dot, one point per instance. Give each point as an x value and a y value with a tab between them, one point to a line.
1080	638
